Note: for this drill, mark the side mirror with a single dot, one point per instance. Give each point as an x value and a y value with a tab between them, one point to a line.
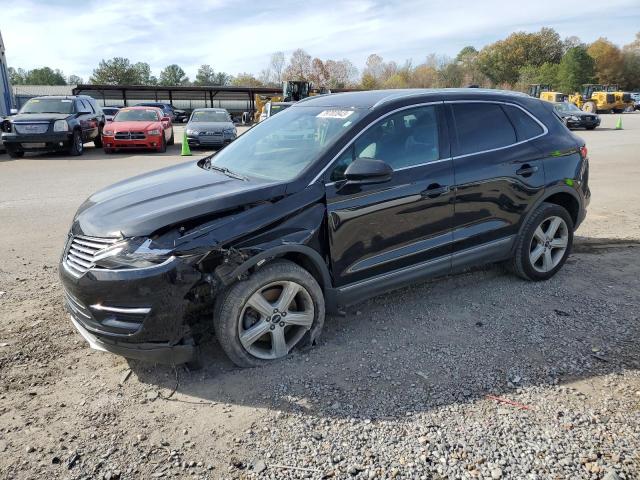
368	170
165	119
13	111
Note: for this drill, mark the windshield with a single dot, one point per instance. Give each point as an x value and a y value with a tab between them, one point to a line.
48	105
136	116
566	107
282	146
209	116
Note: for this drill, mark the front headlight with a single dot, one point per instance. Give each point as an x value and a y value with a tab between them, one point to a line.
60	126
229	131
132	253
154	132
573	118
191	131
108	133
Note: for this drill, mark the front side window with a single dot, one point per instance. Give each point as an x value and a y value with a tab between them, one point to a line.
48	105
404	139
281	147
481	127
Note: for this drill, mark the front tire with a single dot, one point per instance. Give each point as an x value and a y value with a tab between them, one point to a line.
265	317
172	139
14	152
544	243
163	145
98	141
77	145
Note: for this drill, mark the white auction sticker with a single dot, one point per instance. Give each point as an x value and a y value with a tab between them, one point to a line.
340	114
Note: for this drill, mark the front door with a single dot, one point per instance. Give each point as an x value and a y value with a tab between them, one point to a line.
390	227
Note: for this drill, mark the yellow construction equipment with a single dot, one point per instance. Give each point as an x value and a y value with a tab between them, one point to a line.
543	91
292	91
593	98
623	100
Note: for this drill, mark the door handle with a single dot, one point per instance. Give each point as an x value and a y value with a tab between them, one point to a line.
435	190
526	170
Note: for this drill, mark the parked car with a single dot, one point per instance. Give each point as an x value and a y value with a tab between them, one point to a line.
109	113
2	149
573	117
181	116
138	127
336	199
168	109
54	123
210	127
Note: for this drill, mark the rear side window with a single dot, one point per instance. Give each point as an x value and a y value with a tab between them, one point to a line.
481	126
526	127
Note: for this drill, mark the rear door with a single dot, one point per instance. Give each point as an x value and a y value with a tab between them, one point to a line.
391	227
498	174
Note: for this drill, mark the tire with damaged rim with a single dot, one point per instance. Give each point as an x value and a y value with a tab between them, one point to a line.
262	319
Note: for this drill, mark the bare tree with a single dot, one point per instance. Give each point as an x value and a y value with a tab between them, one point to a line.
299	65
276	67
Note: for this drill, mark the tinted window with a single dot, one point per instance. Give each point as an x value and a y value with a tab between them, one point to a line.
482	126
87	106
526	127
405	139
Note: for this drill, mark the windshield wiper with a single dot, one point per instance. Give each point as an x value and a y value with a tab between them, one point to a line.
225	170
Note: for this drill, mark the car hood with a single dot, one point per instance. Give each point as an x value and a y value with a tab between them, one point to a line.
144	204
210	126
135	126
39	117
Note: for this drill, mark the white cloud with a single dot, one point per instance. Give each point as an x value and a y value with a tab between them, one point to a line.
237	36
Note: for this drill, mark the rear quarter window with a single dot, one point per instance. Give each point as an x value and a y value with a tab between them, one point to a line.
526	127
481	126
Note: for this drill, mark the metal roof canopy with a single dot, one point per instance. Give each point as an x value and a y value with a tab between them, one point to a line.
162	93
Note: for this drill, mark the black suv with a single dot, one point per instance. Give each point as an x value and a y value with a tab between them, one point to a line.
337	198
54	123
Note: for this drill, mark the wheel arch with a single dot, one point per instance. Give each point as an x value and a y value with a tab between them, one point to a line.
561	195
302	255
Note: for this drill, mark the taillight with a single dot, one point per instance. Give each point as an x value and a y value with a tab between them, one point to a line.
583	151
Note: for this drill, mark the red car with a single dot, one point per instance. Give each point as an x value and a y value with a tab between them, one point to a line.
138	127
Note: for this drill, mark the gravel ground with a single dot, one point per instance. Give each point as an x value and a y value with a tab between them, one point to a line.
480	375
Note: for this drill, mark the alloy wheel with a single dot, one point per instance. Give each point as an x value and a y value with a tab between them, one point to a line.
275	318
549	244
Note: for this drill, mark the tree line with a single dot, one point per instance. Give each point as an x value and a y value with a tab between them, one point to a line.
512	63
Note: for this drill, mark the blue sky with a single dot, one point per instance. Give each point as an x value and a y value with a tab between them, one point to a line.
238	36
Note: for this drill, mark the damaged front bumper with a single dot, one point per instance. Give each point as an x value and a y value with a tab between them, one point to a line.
137	313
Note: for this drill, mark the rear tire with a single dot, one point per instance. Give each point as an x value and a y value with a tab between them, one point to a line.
77	145
279	300
541	249
14	152
589	107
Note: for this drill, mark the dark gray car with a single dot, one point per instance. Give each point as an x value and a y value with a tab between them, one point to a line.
210	127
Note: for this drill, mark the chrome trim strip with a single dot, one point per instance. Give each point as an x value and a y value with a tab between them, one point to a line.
137	269
132	311
407	107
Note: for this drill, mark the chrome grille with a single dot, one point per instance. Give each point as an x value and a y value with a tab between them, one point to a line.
81	251
31	128
130	136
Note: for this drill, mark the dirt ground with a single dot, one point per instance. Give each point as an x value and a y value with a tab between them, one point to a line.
410	360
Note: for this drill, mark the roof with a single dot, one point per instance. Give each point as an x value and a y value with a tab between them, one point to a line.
40	90
211	109
140	107
373	98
